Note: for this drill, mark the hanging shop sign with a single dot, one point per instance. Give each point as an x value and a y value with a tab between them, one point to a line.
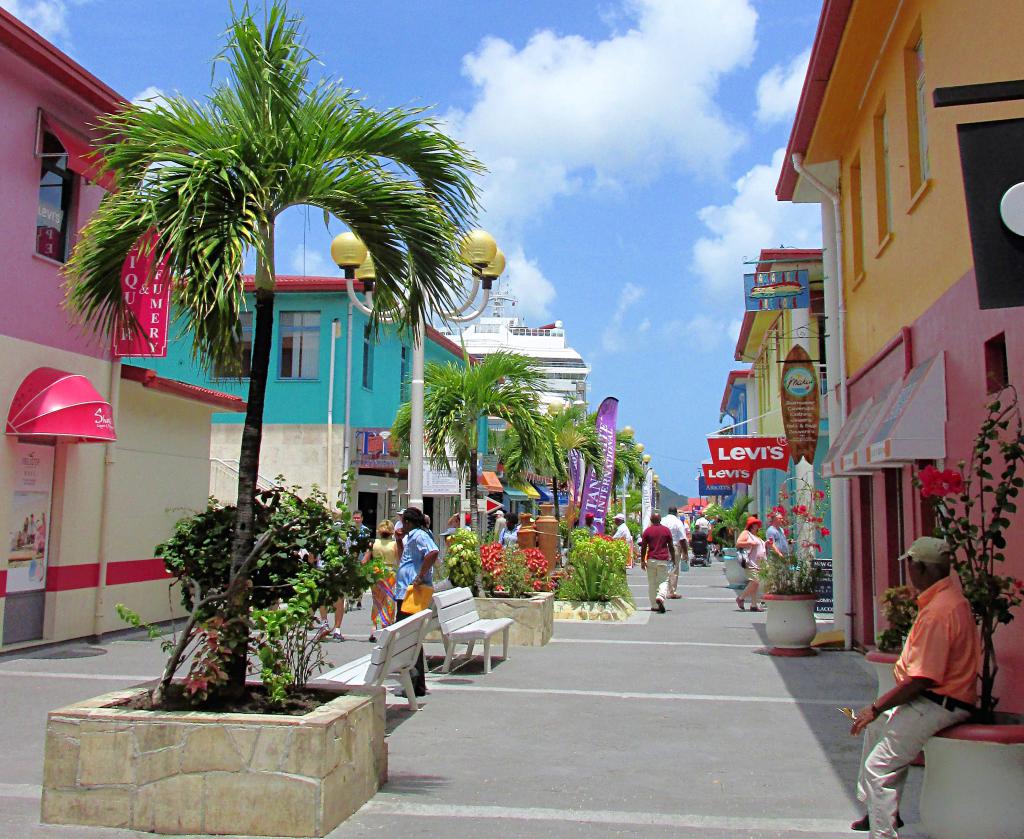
800	404
440	481
597	491
146	292
726	475
706	488
748	453
374	449
770	291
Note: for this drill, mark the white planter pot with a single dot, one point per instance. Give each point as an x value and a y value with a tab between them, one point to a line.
735	574
882	664
973	779
790	626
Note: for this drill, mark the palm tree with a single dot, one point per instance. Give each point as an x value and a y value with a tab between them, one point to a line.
456	396
212	178
729	521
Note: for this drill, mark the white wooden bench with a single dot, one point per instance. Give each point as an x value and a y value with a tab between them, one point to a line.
460	624
397	650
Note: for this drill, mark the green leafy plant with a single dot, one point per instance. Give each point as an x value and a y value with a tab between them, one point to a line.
728	521
900	609
596	571
972	508
462	561
789	574
513	576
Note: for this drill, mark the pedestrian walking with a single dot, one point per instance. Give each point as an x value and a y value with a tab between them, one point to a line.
754	545
510	535
776	533
623	534
682	552
936	686
657	553
358	535
589	523
415	568
500	524
385	552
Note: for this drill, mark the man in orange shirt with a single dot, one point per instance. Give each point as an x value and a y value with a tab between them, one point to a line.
936	686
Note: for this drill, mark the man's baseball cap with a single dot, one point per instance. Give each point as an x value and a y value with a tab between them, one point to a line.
929	550
619	517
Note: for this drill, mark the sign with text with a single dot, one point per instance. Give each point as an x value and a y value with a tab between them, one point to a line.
706	488
725	475
146	293
440	481
28	529
374	449
824	589
772	291
749	454
597	491
800	404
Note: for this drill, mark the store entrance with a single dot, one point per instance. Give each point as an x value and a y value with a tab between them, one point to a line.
368	505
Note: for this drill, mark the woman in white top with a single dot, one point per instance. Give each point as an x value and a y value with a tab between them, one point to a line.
754	545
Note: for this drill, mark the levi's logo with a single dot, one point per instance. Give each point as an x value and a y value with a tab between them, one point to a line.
729	473
750	453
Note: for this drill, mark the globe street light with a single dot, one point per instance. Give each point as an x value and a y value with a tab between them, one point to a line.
480	252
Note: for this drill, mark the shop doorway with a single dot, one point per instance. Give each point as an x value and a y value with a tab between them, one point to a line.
28	543
368	505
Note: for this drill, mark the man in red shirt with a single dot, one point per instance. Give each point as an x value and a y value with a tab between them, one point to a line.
657	554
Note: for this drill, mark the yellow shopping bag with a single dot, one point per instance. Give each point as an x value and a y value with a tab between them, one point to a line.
417	598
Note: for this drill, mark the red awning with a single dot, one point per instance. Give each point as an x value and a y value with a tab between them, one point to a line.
82	157
53	403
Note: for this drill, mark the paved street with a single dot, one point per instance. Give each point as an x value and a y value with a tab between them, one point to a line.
670	721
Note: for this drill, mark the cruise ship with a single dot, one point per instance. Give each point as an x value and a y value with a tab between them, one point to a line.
565	371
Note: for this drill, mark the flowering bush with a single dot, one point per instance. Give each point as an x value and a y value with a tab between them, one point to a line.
900	609
971	510
797	572
514	571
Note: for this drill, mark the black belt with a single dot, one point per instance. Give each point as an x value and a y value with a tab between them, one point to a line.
947	702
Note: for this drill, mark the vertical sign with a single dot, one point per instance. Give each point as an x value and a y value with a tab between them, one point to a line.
29	524
146	291
800	404
647	499
598	491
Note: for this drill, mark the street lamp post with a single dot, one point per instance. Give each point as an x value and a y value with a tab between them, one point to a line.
487	262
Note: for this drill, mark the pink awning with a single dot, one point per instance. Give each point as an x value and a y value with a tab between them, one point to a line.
82	157
53	403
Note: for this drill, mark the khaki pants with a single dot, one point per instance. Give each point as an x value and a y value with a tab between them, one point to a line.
890	745
682	553
657	580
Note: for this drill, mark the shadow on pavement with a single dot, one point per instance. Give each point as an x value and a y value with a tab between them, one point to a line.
414	784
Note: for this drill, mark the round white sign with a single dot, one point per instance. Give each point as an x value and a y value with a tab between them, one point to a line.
1011	208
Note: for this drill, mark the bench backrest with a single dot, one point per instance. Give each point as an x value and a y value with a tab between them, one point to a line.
397	646
455	609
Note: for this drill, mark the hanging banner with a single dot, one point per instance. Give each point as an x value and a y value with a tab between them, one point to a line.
769	291
647	498
575	476
800	404
749	453
597	491
146	291
725	475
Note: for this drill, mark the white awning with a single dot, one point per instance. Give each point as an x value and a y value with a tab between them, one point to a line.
914	427
830	466
853	459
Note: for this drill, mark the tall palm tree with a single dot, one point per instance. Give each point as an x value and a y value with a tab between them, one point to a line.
212	178
502	385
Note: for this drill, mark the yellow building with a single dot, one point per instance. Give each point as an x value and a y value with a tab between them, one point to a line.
915	353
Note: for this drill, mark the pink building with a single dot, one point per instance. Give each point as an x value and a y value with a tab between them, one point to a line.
97	455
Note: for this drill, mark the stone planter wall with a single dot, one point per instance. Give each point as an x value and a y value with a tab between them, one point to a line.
213	773
618	609
534	617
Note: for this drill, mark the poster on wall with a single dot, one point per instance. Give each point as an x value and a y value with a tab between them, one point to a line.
800	404
29	524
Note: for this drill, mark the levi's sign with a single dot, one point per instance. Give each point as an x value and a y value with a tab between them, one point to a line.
749	453
145	292
725	476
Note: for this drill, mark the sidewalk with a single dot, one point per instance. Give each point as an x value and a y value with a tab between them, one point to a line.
671	722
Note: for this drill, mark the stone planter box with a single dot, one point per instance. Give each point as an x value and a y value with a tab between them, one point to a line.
533	617
618	609
213	773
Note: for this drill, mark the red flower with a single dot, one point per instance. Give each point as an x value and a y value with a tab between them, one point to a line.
936	484
825	531
819	494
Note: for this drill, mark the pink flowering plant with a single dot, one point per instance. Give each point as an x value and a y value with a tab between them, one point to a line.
972	509
804	515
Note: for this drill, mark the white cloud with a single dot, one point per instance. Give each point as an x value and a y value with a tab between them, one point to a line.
310	263
618	335
526	281
778	91
737	232
149	97
563	114
47	17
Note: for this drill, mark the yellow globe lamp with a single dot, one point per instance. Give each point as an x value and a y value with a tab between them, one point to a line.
348	251
366	271
647	458
639	447
627	431
496	267
478	249
554	408
657	480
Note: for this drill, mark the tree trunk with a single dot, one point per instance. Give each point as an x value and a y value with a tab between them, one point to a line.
479	522
554	496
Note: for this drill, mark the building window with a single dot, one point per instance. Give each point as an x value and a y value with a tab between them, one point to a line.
56	186
917	115
244	365
856	219
883	190
404	383
300	345
997	373
368	344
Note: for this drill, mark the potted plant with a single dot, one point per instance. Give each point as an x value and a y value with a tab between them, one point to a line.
156	753
899	607
791	581
517	585
727	523
975	772
594	586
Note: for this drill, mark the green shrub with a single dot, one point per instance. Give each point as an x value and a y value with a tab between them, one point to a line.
900	609
597	569
462	561
789	574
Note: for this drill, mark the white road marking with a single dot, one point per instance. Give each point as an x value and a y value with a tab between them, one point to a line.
20	791
655	643
96	677
387	805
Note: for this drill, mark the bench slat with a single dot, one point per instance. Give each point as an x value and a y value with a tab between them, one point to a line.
448	613
482	629
454	595
448	627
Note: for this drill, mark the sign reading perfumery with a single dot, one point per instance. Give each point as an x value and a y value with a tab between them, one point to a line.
146	291
777	290
747	453
800	405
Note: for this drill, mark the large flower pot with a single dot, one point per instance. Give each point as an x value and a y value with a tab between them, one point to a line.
790	626
882	664
973	782
735	574
533	617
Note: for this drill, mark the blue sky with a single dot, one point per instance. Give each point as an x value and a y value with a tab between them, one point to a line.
634	147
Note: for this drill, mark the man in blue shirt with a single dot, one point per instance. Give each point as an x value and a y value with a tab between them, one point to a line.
777	534
416	567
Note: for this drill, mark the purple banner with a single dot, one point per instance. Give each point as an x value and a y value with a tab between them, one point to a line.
575	477
597	491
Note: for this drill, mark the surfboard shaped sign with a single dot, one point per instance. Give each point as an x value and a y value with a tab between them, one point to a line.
801	407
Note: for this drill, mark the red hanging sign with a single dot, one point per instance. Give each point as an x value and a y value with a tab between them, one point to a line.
146	291
718	475
749	453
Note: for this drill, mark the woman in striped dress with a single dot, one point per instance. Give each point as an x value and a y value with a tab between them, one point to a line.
385	552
